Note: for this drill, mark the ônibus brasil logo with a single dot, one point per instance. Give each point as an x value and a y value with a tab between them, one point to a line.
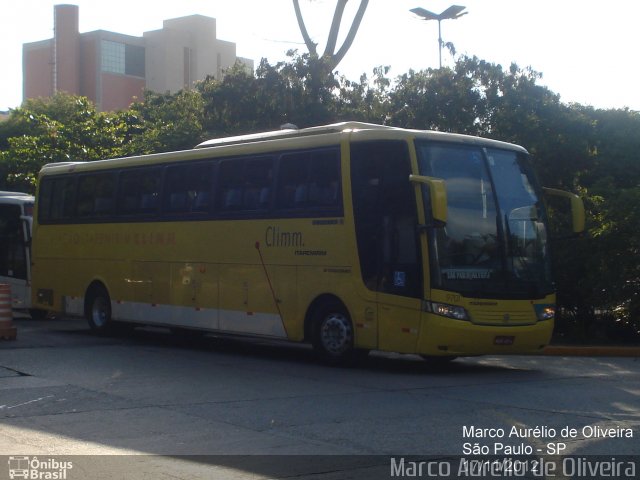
34	469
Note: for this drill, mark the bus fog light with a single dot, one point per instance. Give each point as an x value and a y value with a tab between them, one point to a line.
450	311
545	312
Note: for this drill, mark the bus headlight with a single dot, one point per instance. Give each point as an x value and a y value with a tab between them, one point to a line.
446	310
545	312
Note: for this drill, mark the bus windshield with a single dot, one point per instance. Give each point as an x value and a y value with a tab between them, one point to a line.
494	243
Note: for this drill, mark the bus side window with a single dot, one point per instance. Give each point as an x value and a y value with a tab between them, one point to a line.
230	186
44	200
292	181
96	195
245	185
188	188
309	180
258	181
139	191
12	248
63	198
324	179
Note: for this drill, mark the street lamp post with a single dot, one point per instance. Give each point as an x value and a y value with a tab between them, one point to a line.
451	13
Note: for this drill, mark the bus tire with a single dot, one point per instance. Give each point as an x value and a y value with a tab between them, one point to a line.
98	310
333	333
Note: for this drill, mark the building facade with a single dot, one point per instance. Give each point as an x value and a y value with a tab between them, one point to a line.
113	69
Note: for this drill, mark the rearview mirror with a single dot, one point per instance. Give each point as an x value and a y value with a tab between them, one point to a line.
437	196
577	207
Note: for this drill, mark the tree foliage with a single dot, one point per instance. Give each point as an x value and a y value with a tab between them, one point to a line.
63	128
167	122
589	151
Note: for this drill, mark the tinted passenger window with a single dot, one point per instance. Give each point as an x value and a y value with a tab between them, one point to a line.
188	188
245	185
309	180
96	195
57	199
13	261
44	200
139	191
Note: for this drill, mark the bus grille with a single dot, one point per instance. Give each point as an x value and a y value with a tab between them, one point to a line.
506	318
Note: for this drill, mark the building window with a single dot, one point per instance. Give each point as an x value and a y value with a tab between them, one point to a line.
134	60
113	57
187	55
122	58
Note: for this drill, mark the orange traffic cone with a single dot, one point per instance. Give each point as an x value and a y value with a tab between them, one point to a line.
7	330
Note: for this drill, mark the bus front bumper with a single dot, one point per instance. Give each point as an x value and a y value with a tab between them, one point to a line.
442	336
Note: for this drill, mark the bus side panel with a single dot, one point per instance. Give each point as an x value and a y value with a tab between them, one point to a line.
246	302
398	323
194	286
48	285
57	290
284	279
151	282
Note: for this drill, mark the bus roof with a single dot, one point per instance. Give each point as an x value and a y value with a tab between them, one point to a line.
15	198
231	145
289	131
13	194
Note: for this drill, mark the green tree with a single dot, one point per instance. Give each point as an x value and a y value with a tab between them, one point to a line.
612	188
166	122
288	92
60	129
436	99
591	152
366	100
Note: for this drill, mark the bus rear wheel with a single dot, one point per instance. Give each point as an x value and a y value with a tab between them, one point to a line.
98	310
333	333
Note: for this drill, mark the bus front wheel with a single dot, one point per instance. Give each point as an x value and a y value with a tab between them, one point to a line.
333	333
98	310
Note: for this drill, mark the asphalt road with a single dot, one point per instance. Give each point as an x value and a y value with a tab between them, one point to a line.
64	391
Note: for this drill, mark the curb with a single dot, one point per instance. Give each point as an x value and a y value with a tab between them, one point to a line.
591	351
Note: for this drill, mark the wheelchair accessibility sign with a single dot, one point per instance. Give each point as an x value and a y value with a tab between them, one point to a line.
38	469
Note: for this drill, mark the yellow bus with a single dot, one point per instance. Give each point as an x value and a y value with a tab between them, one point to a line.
351	237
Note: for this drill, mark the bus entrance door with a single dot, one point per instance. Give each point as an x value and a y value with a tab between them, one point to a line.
385	217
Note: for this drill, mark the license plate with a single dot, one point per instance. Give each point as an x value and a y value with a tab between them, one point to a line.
504	340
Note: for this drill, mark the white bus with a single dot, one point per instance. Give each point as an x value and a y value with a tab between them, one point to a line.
16	212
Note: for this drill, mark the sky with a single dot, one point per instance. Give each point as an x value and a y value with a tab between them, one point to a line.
586	50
